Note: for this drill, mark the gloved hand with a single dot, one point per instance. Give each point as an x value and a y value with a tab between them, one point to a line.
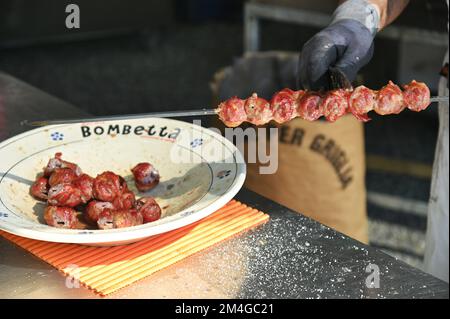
347	43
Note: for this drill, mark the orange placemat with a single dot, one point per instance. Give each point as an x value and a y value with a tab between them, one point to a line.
108	269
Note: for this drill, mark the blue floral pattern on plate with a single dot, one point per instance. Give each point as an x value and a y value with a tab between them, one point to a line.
184	214
223	174
56	136
196	142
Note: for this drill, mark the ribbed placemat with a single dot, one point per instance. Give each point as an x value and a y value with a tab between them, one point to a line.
108	269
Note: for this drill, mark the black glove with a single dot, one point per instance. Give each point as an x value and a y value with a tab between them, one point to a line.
346	44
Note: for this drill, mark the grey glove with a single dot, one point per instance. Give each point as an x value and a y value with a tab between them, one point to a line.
346	44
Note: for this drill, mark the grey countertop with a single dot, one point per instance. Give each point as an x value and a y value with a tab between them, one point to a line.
289	257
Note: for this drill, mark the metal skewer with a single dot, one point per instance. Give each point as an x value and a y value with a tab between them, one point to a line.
121	117
439	99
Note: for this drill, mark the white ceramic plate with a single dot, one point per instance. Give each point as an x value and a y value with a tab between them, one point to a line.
200	172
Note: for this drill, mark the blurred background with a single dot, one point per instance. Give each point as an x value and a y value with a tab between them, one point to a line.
148	55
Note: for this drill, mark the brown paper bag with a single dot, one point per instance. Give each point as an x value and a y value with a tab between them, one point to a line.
321	174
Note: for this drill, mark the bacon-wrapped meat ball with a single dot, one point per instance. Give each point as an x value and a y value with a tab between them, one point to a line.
416	96
149	209
335	104
146	176
389	100
258	110
62	176
95	208
86	185
362	101
111	219
107	186
284	105
232	112
64	195
61	217
58	162
40	187
310	106
125	200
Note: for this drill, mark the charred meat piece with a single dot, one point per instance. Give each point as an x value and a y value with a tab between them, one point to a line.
95	208
416	96
39	189
149	209
106	219
284	105
126	200
62	176
127	218
310	106
111	219
107	186
362	100
389	100
61	217
258	110
64	195
335	104
232	112
58	162
85	183
146	176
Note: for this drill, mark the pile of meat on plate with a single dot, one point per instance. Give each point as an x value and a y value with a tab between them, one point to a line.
76	200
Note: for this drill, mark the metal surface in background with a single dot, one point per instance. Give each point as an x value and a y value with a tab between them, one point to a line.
290	257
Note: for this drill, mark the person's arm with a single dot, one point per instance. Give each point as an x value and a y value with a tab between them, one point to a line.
347	43
389	10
